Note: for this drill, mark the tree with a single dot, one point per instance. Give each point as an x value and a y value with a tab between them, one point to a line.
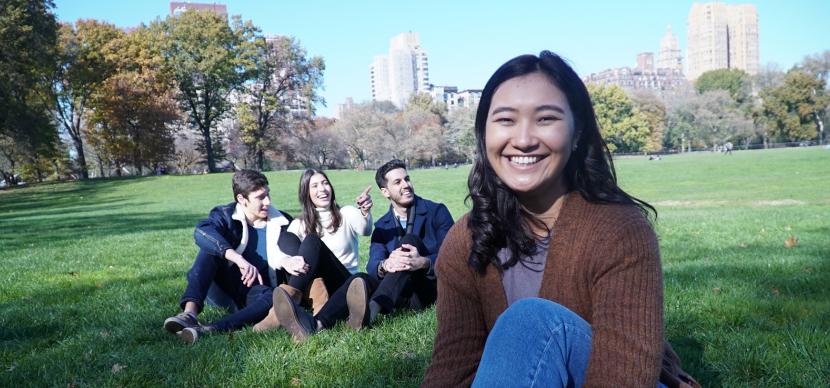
83	66
424	102
818	65
28	38
705	120
654	112
735	81
461	132
282	75
317	145
366	132
186	156
770	76
134	108
132	120
418	140
206	59
623	126
795	109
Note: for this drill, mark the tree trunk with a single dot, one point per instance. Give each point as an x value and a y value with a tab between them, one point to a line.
820	128
209	149
100	166
260	158
79	148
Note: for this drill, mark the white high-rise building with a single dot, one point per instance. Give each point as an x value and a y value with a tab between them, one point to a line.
722	36
379	79
400	73
669	56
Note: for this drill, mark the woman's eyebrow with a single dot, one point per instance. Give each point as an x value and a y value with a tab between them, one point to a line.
503	109
551	107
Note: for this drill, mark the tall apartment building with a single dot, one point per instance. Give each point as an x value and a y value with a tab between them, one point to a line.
722	36
404	70
645	61
669	56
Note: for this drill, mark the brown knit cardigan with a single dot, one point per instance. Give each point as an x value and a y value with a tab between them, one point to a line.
603	263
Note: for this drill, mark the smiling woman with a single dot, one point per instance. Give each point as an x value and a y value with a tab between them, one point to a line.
555	264
529	136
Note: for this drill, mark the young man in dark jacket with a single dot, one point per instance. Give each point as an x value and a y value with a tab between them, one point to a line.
234	256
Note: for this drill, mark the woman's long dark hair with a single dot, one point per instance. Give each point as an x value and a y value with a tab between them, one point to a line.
310	217
589	170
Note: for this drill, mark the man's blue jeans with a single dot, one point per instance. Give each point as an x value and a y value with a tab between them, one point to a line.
253	302
535	343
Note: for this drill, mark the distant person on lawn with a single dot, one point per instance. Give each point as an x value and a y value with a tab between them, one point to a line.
234	255
553	279
401	264
329	235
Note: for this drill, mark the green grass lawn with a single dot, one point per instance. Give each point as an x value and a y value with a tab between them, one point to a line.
91	269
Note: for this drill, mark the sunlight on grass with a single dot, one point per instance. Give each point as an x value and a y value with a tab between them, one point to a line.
91	269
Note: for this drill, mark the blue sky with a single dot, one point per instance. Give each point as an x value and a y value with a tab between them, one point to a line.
467	40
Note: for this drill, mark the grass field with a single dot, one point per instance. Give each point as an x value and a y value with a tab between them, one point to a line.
91	269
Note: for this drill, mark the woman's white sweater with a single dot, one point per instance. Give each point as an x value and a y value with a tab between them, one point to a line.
343	241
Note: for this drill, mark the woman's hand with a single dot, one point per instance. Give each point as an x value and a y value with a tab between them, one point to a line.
364	201
295	265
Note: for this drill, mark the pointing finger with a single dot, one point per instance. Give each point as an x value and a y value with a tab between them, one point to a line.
366	191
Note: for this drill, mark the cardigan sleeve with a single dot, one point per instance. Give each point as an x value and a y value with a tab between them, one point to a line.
461	333
627	309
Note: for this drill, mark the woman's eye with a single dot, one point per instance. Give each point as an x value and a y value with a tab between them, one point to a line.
503	120
548	119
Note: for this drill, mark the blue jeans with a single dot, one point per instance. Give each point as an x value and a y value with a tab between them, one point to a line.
535	343
254	302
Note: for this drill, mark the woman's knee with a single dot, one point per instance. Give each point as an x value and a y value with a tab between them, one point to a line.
538	313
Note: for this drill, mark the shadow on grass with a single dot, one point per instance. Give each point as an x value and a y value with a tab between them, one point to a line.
64	230
59	213
54	195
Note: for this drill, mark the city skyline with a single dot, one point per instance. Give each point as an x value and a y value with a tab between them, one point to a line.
468	41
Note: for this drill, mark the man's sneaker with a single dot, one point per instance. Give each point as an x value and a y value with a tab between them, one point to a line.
294	319
191	334
179	322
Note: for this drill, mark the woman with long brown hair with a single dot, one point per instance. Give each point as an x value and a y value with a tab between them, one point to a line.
326	246
554	277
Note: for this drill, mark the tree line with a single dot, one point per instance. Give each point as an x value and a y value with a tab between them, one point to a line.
726	105
88	96
197	92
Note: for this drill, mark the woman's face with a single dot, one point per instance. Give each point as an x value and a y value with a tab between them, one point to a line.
529	135
319	191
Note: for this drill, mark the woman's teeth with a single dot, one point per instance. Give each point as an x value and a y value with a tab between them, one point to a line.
524	160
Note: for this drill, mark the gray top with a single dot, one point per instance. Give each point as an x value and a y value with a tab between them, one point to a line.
523	279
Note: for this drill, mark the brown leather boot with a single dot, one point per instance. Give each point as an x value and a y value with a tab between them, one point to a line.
318	295
269	323
295	294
